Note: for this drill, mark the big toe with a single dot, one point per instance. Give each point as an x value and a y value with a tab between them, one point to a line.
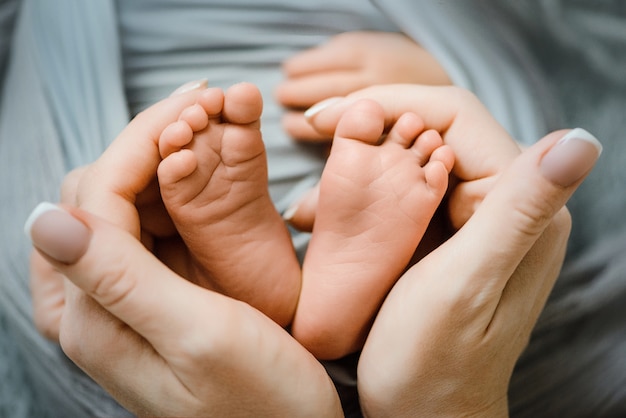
363	121
243	104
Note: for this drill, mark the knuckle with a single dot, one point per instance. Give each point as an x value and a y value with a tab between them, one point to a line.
532	214
69	186
115	283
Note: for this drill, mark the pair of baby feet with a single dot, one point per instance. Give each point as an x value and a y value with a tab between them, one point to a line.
377	196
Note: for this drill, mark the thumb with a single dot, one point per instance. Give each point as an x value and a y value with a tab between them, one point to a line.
301	214
118	272
110	185
524	200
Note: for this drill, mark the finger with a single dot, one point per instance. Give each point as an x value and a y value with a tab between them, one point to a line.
527	291
131	322
110	185
46	283
114	269
296	126
437	106
332	55
155	220
520	207
301	215
466	197
109	351
474	287
48	296
305	91
451	111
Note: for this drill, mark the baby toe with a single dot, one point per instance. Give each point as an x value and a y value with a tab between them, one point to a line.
364	121
174	137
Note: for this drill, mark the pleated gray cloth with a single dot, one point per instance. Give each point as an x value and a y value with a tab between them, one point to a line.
74	72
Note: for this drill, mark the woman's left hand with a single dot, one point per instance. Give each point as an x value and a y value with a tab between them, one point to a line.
157	343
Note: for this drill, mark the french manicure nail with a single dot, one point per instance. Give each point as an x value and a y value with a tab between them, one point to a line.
57	233
305	201
571	157
295	205
291	210
318	107
191	85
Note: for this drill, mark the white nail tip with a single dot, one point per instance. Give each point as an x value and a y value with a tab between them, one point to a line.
41	208
583	135
192	85
317	108
288	214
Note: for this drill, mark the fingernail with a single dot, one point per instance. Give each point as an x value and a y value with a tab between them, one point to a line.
191	85
571	157
56	233
318	107
291	210
304	198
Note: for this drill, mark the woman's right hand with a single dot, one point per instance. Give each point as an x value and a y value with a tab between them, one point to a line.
452	328
450	331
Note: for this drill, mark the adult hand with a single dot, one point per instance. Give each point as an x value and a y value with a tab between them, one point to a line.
47	285
121	186
163	346
482	147
158	343
458	320
348	62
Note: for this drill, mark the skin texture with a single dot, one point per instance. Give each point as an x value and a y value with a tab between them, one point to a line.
485	147
476	326
375	58
213	180
376	201
346	63
481	301
112	317
143	336
207	351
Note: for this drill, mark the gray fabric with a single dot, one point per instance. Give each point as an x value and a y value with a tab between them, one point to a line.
487	59
8	11
51	114
78	70
234	41
575	365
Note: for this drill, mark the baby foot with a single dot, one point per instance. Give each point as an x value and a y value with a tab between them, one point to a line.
213	181
376	200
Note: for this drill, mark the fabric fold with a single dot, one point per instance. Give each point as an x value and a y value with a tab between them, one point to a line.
62	103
